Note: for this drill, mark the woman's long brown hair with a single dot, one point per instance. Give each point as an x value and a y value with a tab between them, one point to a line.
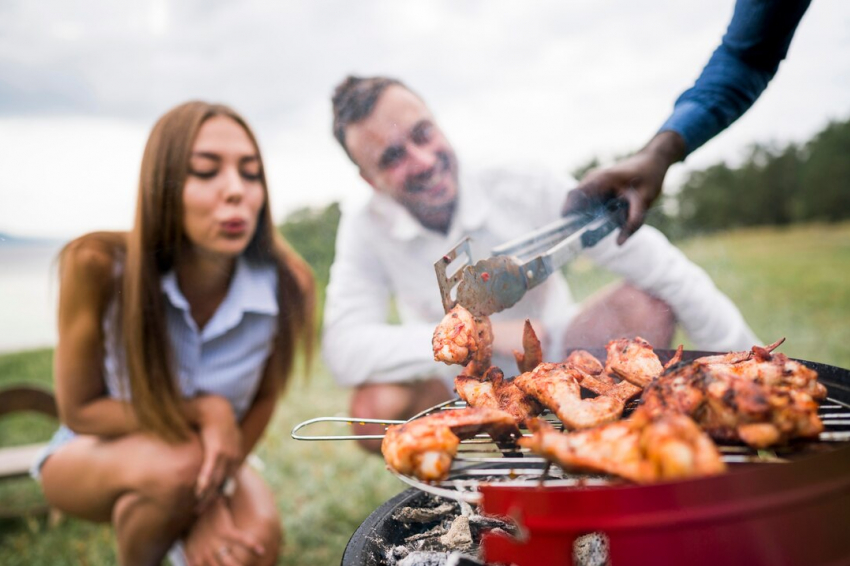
154	246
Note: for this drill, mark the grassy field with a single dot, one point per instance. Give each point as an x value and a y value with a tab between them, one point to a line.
793	283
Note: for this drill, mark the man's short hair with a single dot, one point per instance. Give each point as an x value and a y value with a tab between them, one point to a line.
354	99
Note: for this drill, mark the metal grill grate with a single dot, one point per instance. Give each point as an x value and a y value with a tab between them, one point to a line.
480	460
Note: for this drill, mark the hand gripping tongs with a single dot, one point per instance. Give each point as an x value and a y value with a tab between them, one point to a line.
496	283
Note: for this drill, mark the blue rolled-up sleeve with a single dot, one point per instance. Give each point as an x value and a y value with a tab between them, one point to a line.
739	70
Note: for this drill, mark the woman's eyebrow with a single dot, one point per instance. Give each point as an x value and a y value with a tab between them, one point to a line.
249	159
206	155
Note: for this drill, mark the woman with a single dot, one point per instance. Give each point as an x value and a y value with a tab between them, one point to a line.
174	342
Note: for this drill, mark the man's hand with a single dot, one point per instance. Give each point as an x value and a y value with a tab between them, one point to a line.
637	179
222	445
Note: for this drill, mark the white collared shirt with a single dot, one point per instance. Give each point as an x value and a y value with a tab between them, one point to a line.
383	253
228	355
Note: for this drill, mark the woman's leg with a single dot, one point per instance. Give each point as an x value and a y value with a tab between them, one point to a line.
144	485
227	531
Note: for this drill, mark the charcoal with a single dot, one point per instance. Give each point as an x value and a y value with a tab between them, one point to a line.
479	524
434	533
410	515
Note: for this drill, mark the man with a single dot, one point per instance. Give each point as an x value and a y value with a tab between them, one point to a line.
419	208
740	69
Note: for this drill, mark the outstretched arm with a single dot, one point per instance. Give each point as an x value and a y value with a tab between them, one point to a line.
359	345
740	69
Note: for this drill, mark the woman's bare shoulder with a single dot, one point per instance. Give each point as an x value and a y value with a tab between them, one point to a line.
91	259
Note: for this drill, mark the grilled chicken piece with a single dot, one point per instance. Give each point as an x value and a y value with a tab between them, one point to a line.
623	390
677	447
587	362
734	405
494	391
477	391
640	449
512	399
464	339
592	377
678	392
532	354
425	447
632	360
737	357
773	370
556	386
677	357
761	400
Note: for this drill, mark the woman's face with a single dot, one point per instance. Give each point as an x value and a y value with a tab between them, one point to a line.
223	194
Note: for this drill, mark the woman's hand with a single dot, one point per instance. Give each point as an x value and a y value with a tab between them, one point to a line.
637	179
215	540
222	444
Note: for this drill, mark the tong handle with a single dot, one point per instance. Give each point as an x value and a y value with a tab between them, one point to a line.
544	241
346	420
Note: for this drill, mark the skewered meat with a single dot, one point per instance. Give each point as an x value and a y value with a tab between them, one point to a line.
556	386
464	339
425	447
494	391
532	354
632	360
640	449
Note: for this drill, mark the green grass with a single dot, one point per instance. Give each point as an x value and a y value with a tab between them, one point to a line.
793	283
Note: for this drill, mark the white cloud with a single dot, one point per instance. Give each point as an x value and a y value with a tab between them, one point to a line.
547	83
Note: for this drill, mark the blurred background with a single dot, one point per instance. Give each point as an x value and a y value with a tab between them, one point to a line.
555	84
546	83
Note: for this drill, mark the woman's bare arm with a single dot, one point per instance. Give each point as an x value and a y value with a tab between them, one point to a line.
260	413
86	286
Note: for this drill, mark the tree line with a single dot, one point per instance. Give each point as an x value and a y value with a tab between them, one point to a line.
774	185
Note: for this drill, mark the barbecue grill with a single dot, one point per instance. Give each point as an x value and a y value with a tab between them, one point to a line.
785	506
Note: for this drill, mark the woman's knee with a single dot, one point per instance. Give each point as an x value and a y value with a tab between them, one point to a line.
172	471
268	530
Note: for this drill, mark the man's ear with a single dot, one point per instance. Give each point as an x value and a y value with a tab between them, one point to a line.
367	179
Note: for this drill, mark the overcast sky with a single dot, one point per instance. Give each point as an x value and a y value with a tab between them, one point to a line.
513	83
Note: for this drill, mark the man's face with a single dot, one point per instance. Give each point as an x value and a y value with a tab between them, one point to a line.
402	153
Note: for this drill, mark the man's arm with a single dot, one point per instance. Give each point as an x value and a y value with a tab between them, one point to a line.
651	263
740	69
358	343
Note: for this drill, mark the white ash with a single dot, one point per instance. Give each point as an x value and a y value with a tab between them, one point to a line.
439	559
591	550
459	537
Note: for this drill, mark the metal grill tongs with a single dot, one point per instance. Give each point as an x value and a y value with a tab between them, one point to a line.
496	283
